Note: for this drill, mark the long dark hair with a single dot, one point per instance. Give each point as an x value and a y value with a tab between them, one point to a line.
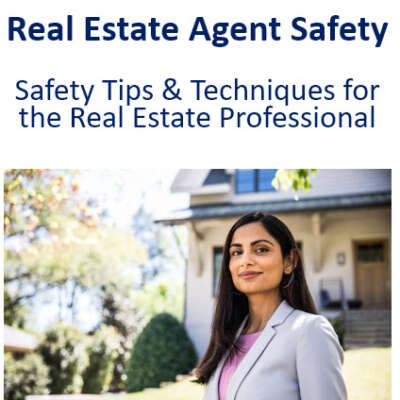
232	306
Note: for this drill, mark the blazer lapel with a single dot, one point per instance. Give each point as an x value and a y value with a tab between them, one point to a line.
262	342
215	379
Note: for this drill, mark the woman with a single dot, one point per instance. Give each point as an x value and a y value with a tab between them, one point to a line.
267	341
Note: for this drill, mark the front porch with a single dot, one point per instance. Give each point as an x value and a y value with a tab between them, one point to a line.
364	321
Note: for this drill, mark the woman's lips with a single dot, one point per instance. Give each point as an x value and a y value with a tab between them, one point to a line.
249	274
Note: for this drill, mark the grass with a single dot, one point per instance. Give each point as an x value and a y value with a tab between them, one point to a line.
184	390
367	373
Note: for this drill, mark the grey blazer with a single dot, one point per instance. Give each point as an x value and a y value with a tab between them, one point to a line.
297	356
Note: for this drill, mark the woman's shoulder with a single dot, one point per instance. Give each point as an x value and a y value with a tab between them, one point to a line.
302	321
313	329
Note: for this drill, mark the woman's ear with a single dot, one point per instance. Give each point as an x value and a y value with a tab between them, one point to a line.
290	262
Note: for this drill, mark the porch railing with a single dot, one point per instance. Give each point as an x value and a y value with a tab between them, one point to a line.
338	286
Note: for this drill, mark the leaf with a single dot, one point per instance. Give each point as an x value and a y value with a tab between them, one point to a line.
297	180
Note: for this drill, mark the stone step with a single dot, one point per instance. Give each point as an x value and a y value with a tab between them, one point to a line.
369	311
361	328
369	321
367	343
386	322
376	332
367	328
369	333
368	314
348	346
368	325
367	337
367	340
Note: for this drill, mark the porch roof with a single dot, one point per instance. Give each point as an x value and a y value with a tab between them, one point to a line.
284	206
17	340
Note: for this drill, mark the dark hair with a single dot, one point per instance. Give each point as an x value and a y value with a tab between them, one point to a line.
232	307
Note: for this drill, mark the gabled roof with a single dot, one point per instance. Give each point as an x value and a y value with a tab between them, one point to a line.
216	176
201	181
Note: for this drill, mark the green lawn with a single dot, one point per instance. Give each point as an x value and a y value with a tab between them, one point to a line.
185	390
367	373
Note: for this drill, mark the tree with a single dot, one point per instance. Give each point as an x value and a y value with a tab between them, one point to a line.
13	315
120	310
31	196
167	250
149	234
163	294
126	309
102	351
55	238
63	350
31	199
166	246
296	179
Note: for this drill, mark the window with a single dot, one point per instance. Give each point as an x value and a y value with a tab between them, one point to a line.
254	180
370	253
217	262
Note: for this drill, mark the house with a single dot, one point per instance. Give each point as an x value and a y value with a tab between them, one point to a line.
18	341
342	227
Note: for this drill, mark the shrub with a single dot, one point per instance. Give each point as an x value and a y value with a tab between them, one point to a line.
161	351
119	309
63	350
23	377
338	326
102	352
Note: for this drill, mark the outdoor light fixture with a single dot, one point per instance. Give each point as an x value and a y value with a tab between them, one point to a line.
341	258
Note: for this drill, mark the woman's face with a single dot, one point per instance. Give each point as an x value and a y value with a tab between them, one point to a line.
256	262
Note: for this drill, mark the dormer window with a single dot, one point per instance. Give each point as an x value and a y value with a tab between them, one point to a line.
254	180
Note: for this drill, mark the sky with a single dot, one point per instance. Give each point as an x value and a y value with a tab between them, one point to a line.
122	191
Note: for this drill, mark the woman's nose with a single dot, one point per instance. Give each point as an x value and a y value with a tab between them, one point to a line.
247	258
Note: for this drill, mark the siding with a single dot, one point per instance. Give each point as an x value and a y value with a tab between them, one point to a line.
325	183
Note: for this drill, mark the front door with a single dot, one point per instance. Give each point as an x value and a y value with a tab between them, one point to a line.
372	273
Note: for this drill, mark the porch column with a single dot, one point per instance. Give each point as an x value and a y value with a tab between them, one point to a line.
199	248
317	233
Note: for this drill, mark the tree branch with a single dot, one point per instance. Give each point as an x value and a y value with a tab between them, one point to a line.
17	277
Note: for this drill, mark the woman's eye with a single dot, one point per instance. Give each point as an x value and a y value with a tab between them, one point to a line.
261	250
235	253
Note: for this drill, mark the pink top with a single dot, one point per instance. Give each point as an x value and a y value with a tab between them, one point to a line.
231	363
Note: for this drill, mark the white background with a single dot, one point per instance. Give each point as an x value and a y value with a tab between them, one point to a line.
151	62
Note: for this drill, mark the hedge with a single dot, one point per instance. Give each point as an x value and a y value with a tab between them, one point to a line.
23	377
161	352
